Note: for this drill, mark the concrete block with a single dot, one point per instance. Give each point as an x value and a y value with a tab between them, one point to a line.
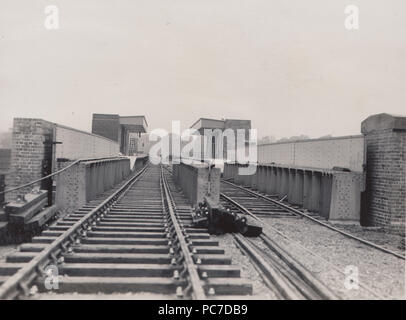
71	192
198	182
345	197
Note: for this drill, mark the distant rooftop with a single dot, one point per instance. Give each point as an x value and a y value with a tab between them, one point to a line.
206	123
131	123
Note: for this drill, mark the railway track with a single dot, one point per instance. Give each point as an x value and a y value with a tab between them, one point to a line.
137	241
282	274
261	207
287	278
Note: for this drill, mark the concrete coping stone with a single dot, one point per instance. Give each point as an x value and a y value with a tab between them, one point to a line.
300	168
196	166
383	121
105	160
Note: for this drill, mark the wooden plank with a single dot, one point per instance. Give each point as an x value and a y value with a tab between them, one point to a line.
41	218
117	270
8	269
143	258
227	286
116	285
24	216
104	248
31	199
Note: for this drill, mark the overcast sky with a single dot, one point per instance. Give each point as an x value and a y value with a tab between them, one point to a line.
288	65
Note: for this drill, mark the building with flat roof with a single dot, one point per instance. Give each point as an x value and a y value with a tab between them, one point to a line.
124	130
219	148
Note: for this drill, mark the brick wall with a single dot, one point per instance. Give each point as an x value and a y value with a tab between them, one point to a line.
386	171
28	150
27	153
5	158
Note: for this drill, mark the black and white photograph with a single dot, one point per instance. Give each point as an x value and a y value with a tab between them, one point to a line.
221	151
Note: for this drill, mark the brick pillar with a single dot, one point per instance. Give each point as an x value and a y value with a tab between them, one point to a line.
27	153
385	139
71	190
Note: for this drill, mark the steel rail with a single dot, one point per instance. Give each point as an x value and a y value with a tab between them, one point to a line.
366	242
320	289
294	278
267	226
296	266
272	276
11	288
195	282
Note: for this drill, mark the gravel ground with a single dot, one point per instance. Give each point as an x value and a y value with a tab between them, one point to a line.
378	236
260	290
380	272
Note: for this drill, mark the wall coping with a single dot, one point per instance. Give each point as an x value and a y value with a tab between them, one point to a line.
84	132
313	140
312	169
383	121
57	125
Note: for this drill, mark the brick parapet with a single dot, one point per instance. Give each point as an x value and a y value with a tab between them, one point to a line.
386	171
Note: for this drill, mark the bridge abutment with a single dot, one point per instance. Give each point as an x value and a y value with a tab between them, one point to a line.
385	137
